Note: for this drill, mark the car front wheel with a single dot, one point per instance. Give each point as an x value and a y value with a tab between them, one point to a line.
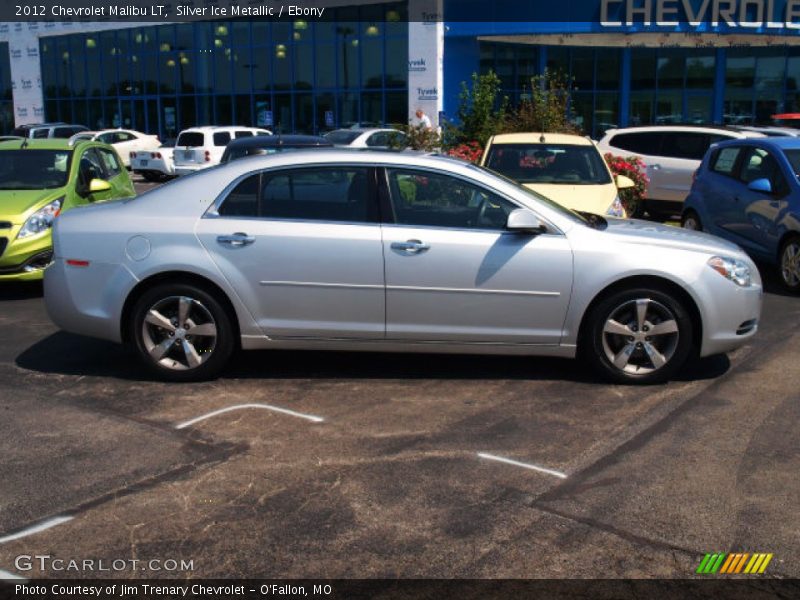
690	220
638	336
790	264
181	332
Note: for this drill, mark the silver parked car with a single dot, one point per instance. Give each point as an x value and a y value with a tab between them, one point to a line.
398	252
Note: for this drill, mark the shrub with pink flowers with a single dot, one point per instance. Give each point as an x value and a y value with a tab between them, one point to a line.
633	168
469	151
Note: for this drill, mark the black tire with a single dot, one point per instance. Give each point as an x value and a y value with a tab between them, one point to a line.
152	176
789	264
691	220
628	340
179	362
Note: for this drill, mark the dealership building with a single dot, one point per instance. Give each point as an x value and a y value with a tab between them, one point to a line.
632	62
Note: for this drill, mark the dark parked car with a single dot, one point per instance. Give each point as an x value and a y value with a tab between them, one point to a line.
270	144
747	191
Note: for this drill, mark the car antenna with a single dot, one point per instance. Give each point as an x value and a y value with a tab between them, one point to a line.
24	144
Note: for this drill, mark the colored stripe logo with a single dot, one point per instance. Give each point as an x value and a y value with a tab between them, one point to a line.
733	563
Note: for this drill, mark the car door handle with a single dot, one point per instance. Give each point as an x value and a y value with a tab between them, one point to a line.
411	246
236	240
655	167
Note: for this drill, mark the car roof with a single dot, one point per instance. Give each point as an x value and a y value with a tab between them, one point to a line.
683	127
39	144
783	142
206	128
541	138
270	141
364	129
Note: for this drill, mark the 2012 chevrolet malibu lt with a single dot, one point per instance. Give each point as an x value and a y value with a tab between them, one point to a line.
331	249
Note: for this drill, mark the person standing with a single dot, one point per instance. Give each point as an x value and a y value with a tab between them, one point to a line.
423	120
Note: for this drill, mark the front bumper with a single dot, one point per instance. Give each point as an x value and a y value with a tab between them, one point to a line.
24	259
732	313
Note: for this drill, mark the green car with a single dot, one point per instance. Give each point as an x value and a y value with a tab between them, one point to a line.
38	180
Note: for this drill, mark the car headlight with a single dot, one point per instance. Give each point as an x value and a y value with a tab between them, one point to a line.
41	220
732	268
616	209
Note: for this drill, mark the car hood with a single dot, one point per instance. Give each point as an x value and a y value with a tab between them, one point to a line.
16	204
586	198
635	231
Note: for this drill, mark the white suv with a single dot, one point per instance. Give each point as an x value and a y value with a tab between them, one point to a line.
202	147
672	154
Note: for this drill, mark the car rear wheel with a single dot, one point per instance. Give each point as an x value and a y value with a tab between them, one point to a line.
790	264
638	336
182	333
691	220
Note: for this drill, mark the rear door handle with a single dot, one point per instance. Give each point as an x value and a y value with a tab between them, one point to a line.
411	246
236	240
655	167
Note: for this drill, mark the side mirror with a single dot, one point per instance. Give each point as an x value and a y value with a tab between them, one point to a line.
524	221
623	183
98	185
760	185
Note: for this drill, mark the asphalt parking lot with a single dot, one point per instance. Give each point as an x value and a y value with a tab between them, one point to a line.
381	465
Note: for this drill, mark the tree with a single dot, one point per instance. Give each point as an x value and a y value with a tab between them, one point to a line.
547	109
481	112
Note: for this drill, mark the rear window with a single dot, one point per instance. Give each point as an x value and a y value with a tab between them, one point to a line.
243	133
549	163
41	133
221	138
794	160
191	139
342	137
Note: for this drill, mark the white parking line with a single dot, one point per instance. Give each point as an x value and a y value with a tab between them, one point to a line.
516	463
44	525
5	575
284	411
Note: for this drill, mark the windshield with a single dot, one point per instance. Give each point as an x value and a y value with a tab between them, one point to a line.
34	169
549	163
342	137
562	210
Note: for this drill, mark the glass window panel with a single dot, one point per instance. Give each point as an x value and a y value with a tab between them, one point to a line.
204	71
527	66
224	111
263	106
348	58
608	69
641	108
166	38
793	73
168	72
669	107
372	108
606	112
242	66
243	199
740	71
325	103
282	65
396	63
303	66
671	67
698	108
185	64
111	116
583	68
643	69
51	110
738	107
700	71
77	59
223	63
242	105
504	65
49	69
372	63
187	114
240	33
79	112
558	59
486	61
770	72
304	113
397	108
396	17
582	109
205	108
348	110
145	40
326	65
283	113
109	53
262	68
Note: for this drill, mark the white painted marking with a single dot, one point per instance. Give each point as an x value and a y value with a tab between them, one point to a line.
284	411
516	463
6	575
44	525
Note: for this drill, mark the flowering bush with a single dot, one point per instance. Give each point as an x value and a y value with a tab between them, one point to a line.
469	151
633	168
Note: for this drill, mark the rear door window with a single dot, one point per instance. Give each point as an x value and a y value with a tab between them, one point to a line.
243	133
221	138
41	133
687	145
191	139
645	142
724	160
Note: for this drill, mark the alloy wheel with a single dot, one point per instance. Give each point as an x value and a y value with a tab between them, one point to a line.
179	333
640	336
790	264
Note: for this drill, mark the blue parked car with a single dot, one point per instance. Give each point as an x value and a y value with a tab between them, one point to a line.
747	191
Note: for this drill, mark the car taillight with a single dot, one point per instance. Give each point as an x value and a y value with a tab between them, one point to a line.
208	156
158	154
133	154
74	262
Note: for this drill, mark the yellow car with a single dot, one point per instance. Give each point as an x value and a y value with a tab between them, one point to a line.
39	179
568	169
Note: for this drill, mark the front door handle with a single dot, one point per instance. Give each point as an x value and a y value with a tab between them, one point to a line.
236	240
411	246
655	167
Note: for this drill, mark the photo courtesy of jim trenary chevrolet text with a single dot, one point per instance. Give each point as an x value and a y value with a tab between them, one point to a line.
347	299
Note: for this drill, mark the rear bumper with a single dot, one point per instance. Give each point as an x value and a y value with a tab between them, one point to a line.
87	300
188	169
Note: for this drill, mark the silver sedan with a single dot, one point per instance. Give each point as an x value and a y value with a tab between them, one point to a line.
390	252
